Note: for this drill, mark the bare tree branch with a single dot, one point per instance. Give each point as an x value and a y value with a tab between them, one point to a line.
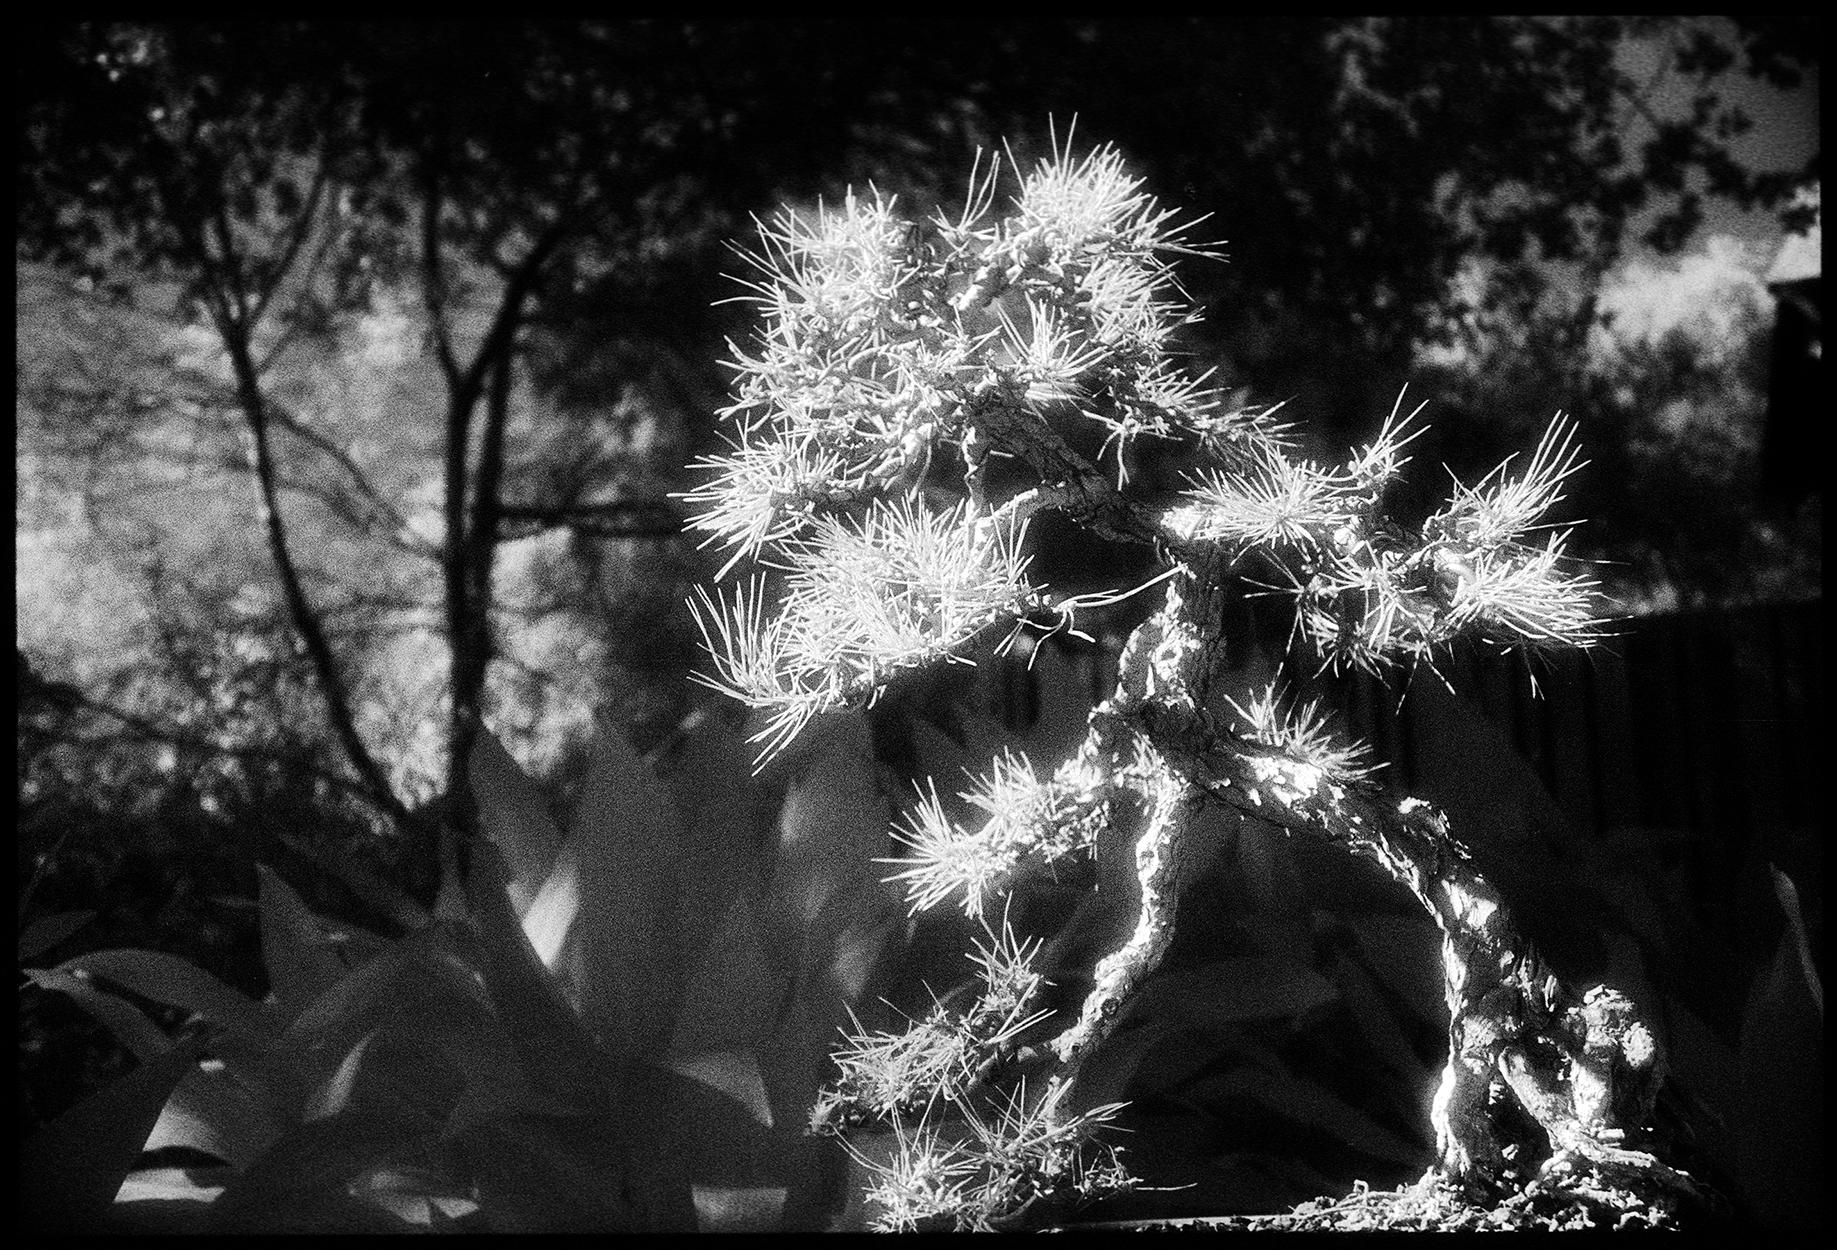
433	280
622	518
300	609
302	227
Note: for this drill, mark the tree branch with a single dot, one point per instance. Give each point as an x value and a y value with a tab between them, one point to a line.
620	518
1583	1066
402	532
433	280
305	621
297	238
152	731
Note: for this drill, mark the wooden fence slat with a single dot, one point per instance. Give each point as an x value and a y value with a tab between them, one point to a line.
1660	750
1572	760
1621	803
1759	725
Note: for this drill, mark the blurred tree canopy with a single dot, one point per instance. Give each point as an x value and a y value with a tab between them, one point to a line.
517	230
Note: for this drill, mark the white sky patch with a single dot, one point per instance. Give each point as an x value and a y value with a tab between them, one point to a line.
385	335
1709	294
1712	294
1466	289
198	348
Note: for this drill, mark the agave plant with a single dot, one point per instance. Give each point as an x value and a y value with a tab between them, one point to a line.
621	1030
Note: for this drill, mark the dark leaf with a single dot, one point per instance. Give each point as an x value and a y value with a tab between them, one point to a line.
727	1209
46	932
386	1072
833	824
573	1174
176	982
430	1022
301	1184
416	1196
212	1112
166	1200
734	995
514	815
1779	1131
559	1057
70	1170
302	960
619	876
131	1027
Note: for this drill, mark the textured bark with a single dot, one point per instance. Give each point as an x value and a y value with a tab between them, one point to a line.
1581	1067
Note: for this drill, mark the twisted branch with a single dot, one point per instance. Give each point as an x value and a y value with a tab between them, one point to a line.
1583	1066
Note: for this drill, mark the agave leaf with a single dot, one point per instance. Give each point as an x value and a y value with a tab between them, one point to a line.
301	1184
572	1174
856	952
1403	953
728	820
796	1065
166	1200
509	1096
833	824
548	917
268	1072
824	889
984	738
417	1197
735	992
710	1117
1064	701
1779	1127
1468	767
1374	1013
1146	1058
559	1057
1106	1075
732	1209
514	815
935	753
301	958
212	1112
338	1092
326	1029
176	982
433	1040
405	1031
70	1170
184	1184
734	1073
140	1036
620	954
46	932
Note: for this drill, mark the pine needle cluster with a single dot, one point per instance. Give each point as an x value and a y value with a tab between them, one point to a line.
886	346
885	1076
1303	732
1371	594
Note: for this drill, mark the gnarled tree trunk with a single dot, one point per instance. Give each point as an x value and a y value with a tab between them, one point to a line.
1581	1067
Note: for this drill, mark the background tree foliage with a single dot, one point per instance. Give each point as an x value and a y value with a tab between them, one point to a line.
357	359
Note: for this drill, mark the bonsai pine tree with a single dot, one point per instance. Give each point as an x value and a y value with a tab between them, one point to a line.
918	392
